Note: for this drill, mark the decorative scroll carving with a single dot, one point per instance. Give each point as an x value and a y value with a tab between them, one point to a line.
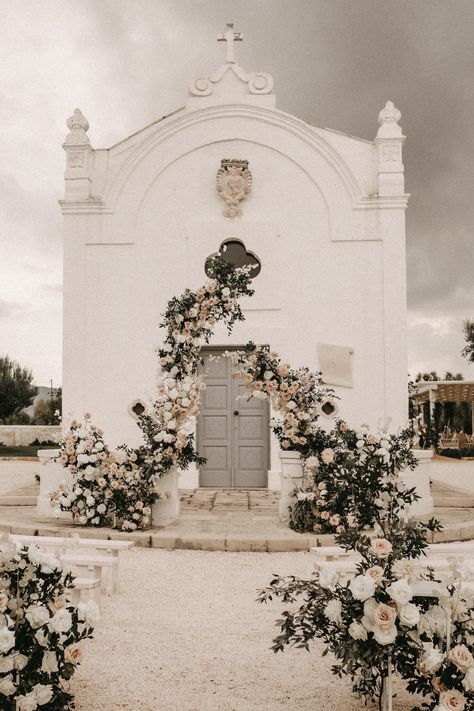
234	183
260	83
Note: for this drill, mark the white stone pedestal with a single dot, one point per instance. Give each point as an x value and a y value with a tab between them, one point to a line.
51	475
291	477
166	509
420	477
189	478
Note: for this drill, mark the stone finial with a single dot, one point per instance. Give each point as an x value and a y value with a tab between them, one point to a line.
78	125
388	120
389	113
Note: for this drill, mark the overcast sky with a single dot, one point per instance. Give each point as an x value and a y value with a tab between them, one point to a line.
125	63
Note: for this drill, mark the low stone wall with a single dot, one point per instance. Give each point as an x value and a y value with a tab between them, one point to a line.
23	435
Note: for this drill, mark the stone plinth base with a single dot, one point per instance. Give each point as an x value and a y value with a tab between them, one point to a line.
51	475
420	478
189	478
166	509
291	477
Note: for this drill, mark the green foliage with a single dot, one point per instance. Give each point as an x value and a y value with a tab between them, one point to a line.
16	388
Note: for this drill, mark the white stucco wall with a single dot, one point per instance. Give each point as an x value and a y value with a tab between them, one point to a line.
325	217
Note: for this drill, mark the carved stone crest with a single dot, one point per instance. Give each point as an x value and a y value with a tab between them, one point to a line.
234	183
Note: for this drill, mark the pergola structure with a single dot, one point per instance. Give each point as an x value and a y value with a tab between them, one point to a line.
434	391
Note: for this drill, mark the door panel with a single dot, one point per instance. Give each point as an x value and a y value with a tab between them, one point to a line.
232	433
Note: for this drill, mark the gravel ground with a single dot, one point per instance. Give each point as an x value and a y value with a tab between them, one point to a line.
184	633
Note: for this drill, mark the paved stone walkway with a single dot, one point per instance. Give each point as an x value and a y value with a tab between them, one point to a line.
236	519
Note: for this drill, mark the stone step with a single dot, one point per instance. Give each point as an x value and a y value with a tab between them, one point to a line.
18	500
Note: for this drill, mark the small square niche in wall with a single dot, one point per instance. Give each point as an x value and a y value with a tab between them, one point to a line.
335	363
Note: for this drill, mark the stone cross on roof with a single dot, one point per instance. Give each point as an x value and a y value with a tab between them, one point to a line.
230	37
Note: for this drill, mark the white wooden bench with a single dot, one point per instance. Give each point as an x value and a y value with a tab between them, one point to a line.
92	566
342	565
85	553
85	589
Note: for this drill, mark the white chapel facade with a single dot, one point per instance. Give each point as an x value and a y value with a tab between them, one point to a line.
320	214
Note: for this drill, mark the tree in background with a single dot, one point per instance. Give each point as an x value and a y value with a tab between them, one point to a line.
455	415
16	389
48	411
468	351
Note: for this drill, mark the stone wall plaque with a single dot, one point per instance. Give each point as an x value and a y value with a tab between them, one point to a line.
234	183
335	362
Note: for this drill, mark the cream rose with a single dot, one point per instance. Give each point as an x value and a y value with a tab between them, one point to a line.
327	455
357	631
384	616
73	654
380	547
409	615
452	700
37	615
61	622
43	693
461	657
385	635
7	687
468	681
333	611
27	702
49	663
400	591
431	660
362	587
7	640
375	572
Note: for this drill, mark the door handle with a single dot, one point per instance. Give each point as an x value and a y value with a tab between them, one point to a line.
236	412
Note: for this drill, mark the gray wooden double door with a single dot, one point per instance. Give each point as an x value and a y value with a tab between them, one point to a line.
232	433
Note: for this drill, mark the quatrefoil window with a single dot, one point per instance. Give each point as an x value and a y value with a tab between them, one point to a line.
234	252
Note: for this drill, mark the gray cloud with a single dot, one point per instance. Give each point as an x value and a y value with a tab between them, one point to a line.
335	63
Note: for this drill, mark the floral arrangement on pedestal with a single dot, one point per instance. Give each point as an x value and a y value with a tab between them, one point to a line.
387	611
121	485
351	477
40	631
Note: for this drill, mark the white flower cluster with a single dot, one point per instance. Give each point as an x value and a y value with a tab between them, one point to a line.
37	623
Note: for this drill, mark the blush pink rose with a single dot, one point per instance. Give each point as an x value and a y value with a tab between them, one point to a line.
452	700
380	547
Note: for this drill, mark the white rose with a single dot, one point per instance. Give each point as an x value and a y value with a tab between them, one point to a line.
385	635
89	612
19	661
102	508
49	663
37	615
327	455
291	405
409	615
7	687
431	660
83	459
43	694
6	664
468	681
7	640
400	591
41	638
90	501
99	446
333	611
61	622
362	587
357	631
27	703
268	375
